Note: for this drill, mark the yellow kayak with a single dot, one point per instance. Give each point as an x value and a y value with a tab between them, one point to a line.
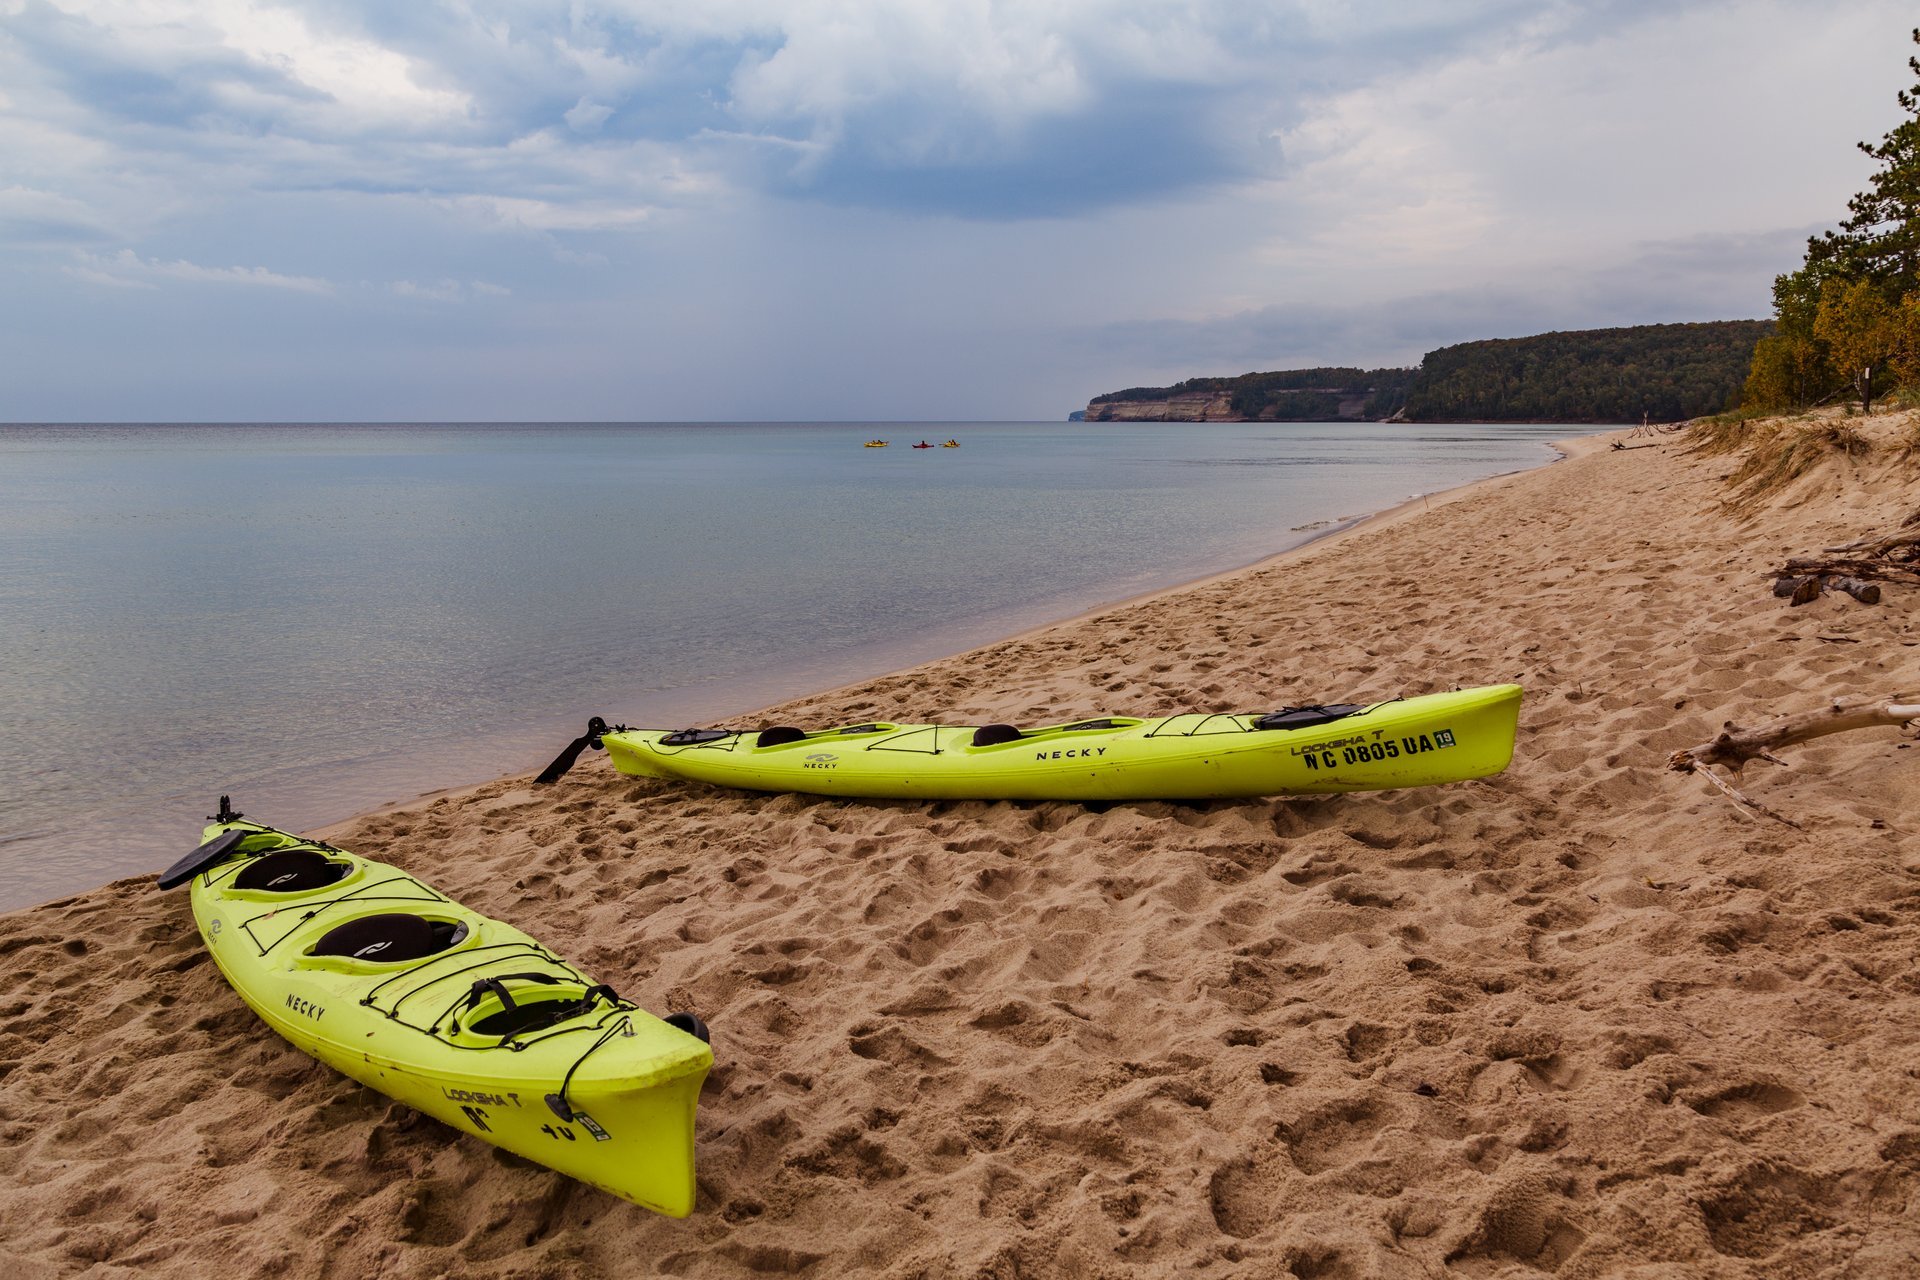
1411	742
382	977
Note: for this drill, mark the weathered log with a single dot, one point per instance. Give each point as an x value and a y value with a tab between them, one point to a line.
1864	592
1788	585
1735	746
1850	568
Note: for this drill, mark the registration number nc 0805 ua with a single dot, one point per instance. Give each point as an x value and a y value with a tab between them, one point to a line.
1386	748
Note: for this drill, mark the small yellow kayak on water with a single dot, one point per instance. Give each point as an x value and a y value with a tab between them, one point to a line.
379	975
1411	742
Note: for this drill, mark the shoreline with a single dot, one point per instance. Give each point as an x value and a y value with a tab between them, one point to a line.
322	795
1584	1017
1341	530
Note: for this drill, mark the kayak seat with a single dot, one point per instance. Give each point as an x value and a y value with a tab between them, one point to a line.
992	735
1307	717
390	938
290	871
779	736
1091	724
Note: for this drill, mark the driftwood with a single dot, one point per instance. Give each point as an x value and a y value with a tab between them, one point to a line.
1853	567
1799	590
1735	747
1849	567
1864	592
1881	544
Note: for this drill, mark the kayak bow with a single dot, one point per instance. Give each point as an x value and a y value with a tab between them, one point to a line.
382	977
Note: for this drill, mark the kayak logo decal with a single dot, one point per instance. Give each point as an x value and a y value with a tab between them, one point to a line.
371	949
1072	753
306	1008
821	760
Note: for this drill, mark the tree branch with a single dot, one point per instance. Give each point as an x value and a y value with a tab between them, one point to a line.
1735	746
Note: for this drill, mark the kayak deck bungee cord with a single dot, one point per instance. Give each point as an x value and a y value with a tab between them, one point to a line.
1410	742
380	976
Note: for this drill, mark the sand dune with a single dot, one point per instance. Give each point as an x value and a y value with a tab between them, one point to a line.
1581	1019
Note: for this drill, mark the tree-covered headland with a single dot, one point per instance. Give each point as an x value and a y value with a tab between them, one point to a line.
1290	395
1665	372
1661	372
1849	318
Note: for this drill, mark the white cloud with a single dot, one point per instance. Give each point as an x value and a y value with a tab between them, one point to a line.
434	291
93	275
447	290
525	214
360	80
129	269
32	216
587	117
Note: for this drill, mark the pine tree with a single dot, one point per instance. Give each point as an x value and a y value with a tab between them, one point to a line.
1880	242
1854	284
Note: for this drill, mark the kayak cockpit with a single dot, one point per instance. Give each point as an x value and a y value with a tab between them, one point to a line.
296	870
391	937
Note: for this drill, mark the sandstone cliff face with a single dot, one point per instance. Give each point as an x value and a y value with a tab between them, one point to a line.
1200	406
1217	406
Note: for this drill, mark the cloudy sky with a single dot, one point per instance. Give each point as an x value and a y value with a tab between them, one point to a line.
866	209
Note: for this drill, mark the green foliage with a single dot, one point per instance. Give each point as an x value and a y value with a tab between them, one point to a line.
1791	369
1858	325
1664	371
1291	395
1804	373
1905	359
1845	317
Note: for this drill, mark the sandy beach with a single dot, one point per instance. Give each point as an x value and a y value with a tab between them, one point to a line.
1585	1018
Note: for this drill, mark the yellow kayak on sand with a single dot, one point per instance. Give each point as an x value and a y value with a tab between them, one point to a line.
380	976
1412	742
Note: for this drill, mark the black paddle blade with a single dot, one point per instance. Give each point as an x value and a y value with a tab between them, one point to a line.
212	852
564	761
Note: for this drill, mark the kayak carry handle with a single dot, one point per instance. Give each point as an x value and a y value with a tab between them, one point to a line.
565	760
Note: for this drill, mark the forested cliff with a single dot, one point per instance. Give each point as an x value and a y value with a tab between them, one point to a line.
1661	371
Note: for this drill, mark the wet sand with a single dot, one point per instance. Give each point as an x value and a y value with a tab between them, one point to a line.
1581	1019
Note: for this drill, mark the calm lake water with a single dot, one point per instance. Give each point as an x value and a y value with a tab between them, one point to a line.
322	619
